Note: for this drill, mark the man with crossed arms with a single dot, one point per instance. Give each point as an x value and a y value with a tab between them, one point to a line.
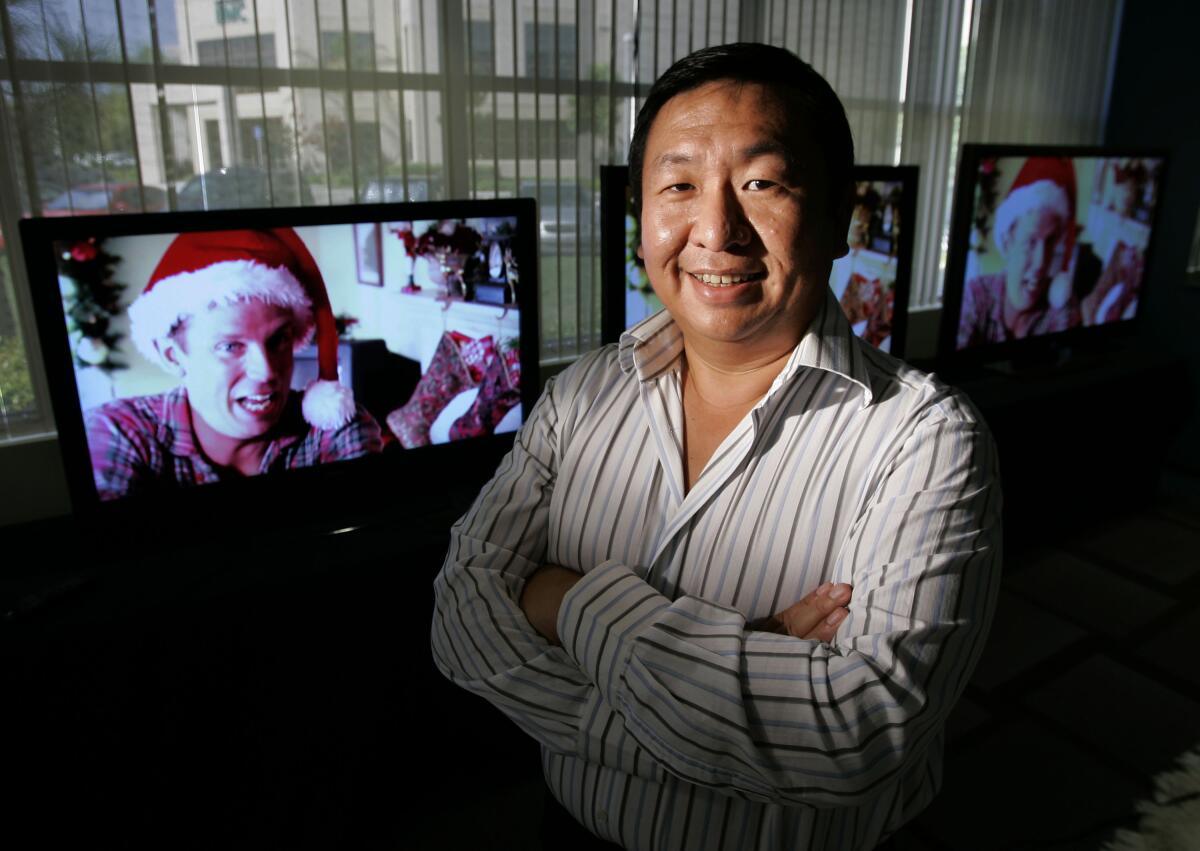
624	588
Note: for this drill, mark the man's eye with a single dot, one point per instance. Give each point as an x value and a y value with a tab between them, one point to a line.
759	185
679	187
231	347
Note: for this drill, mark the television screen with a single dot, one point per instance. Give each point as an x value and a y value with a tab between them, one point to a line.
191	351
871	282
1048	245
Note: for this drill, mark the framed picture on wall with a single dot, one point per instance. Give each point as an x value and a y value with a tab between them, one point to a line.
368	254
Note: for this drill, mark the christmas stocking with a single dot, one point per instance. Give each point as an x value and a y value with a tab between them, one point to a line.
458	364
498	394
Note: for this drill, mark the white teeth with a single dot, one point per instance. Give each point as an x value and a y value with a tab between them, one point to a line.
724	280
257	402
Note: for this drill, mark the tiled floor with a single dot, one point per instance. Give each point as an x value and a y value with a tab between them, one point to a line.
1090	685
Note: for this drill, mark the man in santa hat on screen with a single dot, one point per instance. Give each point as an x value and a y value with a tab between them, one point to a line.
225	312
1035	231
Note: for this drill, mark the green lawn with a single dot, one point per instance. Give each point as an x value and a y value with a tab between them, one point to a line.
562	336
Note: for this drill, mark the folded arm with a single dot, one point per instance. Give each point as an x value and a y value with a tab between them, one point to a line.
778	718
650	685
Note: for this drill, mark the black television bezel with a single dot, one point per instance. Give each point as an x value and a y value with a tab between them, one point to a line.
1044	349
323	497
614	183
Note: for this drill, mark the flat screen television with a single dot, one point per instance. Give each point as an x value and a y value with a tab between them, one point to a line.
1048	251
871	282
302	363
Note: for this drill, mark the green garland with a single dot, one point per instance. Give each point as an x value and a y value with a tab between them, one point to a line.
90	298
635	271
985	204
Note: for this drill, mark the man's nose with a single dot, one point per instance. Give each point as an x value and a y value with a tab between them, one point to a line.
1039	255
257	363
720	220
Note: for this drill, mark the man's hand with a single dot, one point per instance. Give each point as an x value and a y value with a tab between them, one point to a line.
543	594
817	616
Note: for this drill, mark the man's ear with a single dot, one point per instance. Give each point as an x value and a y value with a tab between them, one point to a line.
170	355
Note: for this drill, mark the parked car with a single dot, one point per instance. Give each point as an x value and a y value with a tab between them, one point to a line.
391	190
242	186
87	199
99	198
558	213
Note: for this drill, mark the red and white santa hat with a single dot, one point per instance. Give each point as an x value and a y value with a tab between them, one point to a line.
1042	183
206	269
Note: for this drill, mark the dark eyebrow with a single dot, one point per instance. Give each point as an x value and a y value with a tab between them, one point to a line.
765	148
772	148
671	158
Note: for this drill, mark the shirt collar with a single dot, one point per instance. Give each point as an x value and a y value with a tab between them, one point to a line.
175	428
653	346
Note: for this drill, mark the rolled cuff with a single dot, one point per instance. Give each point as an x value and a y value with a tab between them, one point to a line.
601	616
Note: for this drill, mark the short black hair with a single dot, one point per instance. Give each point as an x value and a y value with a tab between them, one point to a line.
781	71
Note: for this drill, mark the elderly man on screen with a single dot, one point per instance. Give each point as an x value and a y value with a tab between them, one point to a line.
1035	232
737	568
224	312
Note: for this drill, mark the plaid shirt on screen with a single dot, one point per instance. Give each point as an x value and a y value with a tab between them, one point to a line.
146	442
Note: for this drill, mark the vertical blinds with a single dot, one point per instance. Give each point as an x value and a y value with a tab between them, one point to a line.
130	105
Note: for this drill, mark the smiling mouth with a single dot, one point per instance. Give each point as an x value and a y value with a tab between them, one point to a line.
711	280
258	403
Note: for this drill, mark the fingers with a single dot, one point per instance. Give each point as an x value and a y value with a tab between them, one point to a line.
827	628
817	615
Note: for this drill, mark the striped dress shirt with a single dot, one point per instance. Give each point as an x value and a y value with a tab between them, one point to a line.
665	721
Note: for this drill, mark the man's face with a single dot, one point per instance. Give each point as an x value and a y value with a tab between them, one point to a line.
1035	255
736	231
236	365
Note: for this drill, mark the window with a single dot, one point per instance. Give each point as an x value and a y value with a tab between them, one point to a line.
242	51
510	136
212	139
20	412
485	98
262	142
362	50
482	55
550	50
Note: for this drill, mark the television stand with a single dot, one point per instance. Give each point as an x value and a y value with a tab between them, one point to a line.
1081	440
1058	362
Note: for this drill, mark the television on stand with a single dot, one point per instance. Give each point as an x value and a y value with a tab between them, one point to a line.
310	368
1048	253
871	282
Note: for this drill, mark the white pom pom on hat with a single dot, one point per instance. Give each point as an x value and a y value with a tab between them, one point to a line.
204	269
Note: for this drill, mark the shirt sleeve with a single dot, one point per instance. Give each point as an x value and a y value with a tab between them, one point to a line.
360	436
122	450
784	719
481	639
